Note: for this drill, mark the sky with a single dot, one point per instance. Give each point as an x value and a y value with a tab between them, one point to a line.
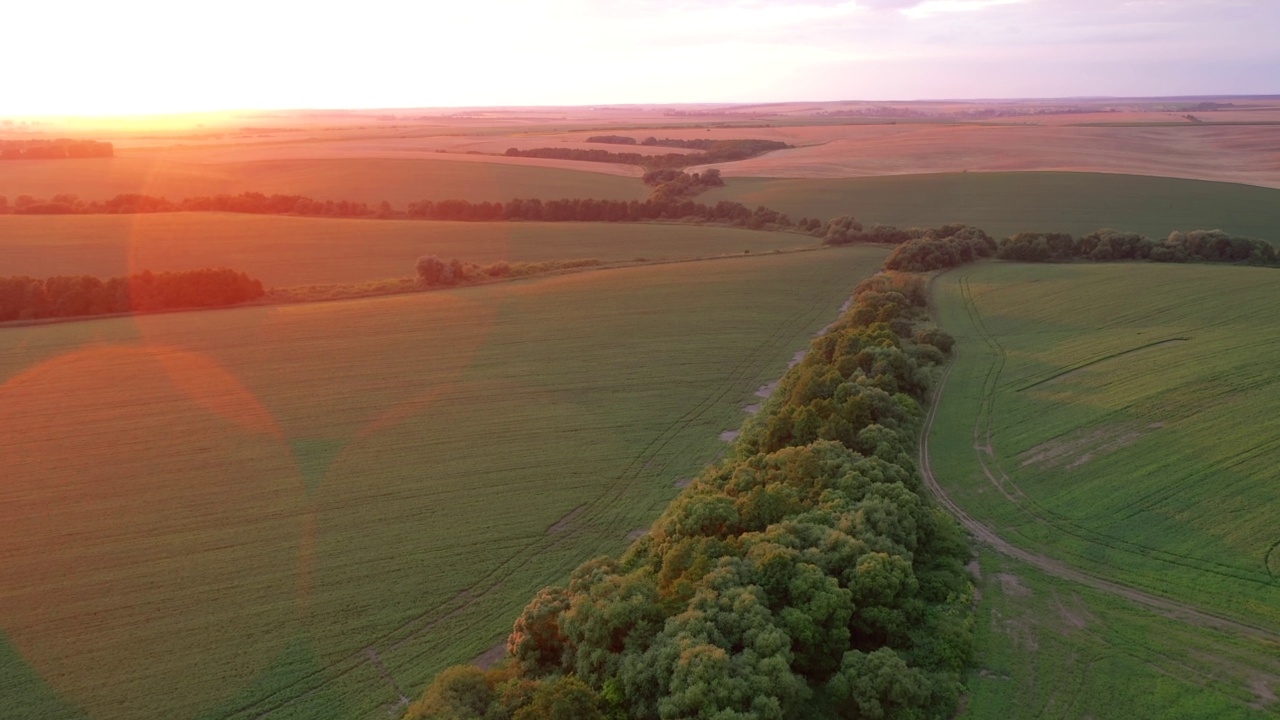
161	56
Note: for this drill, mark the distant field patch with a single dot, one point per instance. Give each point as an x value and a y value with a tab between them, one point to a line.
1241	154
285	251
305	511
195	172
1006	203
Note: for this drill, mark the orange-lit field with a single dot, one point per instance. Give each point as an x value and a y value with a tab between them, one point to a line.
409	155
287	251
180	174
305	511
1241	154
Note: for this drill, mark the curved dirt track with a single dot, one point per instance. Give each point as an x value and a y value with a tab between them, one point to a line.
1164	606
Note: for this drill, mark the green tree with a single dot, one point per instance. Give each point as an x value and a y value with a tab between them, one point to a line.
565	698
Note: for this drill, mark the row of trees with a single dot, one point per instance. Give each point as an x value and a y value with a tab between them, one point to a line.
671	185
942	247
26	298
714	151
249	202
1211	246
588	210
694	144
805	576
59	149
925	249
670	201
433	271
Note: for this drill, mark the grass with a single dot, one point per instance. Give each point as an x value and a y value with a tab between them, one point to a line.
1120	418
1005	203
369	180
1051	648
287	251
305	511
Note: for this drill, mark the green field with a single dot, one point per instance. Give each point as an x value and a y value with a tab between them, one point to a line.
305	511
1049	648
1006	203
286	251
1120	419
180	175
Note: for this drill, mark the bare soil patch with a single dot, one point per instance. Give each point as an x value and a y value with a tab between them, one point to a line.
637	533
1012	585
1078	448
1074	615
566	522
488	658
1263	686
730	435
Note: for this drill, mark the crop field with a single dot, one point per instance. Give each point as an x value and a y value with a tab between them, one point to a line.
1005	203
1120	420
305	511
1047	647
287	251
1229	153
181	174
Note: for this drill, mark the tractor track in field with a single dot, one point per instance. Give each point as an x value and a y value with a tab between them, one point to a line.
1027	504
1057	568
572	528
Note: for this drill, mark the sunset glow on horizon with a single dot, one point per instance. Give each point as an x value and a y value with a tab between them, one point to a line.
141	57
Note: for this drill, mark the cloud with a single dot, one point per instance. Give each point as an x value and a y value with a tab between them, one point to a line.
929	8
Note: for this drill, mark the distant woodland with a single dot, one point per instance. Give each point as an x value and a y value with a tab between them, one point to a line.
1213	246
61	149
926	249
25	298
668	202
713	151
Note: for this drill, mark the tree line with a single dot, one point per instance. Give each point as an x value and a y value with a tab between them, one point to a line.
249	202
1196	246
27	298
714	151
925	249
672	185
807	575
587	210
670	201
694	144
920	249
59	149
433	271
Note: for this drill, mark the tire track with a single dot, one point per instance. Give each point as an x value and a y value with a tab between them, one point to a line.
1164	606
429	618
1028	505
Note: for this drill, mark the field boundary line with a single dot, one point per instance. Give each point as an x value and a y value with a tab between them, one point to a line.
1102	359
398	638
1057	568
1028	505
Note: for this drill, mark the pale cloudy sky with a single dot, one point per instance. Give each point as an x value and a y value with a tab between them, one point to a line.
176	55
